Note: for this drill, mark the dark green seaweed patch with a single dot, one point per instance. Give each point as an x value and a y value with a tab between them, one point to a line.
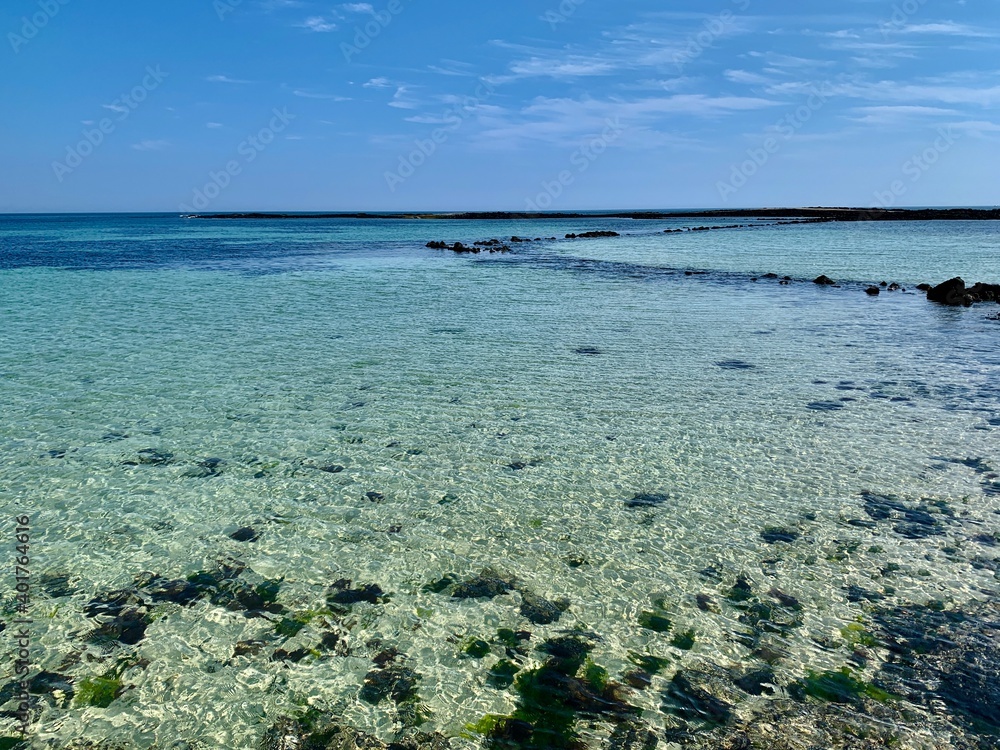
837	687
655	621
684	641
475	648
554	697
501	674
99	692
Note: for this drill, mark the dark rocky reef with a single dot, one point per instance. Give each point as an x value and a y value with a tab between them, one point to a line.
954	293
490	246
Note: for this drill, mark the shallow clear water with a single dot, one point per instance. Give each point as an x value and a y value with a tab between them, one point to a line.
507	408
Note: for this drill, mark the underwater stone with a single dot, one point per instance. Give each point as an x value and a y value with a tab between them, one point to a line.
248	648
539	610
129	627
47	683
858	594
396	682
342	593
112	603
489	584
55	585
654	621
647	500
706	603
639	679
824	406
152	457
686	697
757	682
179	592
632	735
741	590
245	534
775	534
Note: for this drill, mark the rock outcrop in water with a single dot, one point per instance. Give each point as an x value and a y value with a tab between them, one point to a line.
954	293
592	235
489	246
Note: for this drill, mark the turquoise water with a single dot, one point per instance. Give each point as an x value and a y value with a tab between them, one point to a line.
506	409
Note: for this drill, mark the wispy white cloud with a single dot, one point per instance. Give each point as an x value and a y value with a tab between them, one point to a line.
271	5
358	7
748	78
225	79
946	28
571	67
313	95
403	99
318	24
897	114
150	145
213	125
554	120
378	83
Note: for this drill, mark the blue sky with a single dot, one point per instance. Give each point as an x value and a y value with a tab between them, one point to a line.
417	105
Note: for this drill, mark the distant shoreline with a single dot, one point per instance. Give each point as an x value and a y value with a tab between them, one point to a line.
819	214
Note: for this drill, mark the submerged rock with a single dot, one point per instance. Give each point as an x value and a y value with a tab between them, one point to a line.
318	731
825	406
647	500
56	585
245	534
489	584
541	611
775	534
952	655
394	682
181	592
151	457
824	281
341	593
951	292
690	696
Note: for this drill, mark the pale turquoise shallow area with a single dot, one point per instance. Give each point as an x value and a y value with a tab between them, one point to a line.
454	386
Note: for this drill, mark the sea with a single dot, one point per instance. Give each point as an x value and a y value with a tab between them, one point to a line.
272	482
